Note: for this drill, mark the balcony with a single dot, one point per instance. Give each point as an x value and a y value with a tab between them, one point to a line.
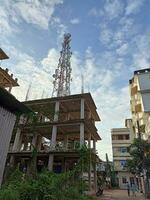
138	108
120	154
134	90
48	148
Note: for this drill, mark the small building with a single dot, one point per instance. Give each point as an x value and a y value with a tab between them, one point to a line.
121	140
140	102
10	109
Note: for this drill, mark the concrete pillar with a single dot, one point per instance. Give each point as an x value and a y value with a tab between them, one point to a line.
17	141
25	143
95	177
18	138
63	164
95	172
89	140
17	145
50	162
34	141
82	109
54	136
52	146
94	145
39	142
89	171
66	142
81	134
56	114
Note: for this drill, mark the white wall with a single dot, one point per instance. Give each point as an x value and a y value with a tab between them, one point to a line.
7	121
146	102
144	81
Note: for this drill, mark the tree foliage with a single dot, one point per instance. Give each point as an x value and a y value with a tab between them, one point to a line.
140	152
48	185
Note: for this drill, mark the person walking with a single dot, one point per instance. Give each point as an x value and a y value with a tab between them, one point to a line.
128	189
133	189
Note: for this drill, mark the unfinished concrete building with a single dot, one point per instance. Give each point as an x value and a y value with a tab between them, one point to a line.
64	124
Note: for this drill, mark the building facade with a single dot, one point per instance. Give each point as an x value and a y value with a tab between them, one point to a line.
140	102
63	125
121	140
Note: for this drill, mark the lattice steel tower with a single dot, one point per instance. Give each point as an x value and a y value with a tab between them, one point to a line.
62	76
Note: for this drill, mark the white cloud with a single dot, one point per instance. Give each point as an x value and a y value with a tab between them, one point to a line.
93	12
75	21
4	22
140	55
50	62
133	6
123	50
106	34
113	9
38	13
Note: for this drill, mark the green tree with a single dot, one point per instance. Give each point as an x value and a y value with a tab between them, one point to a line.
140	152
47	185
140	162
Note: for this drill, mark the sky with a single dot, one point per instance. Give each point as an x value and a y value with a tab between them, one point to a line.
110	39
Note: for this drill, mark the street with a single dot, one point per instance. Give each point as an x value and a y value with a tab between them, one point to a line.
118	195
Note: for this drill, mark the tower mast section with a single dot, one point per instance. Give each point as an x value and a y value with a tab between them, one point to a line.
62	76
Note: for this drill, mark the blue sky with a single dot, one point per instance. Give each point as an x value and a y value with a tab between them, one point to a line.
110	39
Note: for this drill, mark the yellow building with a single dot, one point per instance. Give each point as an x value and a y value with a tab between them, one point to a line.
140	102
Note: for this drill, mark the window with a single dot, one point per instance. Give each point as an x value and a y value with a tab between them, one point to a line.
123	149
123	163
114	137
124	180
126	137
120	137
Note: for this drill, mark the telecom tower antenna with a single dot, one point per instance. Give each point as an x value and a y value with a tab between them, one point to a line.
82	85
62	76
